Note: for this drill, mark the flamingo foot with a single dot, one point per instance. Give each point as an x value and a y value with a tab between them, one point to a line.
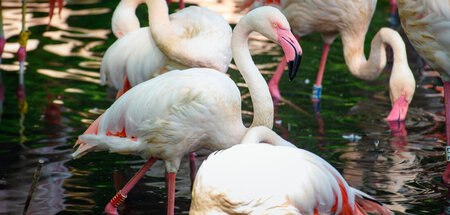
316	93
111	208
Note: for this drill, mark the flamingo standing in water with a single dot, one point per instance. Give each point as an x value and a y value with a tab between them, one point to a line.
185	110
427	26
192	37
242	180
350	19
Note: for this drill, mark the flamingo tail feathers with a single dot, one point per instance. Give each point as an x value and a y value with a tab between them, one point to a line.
366	203
83	146
104	142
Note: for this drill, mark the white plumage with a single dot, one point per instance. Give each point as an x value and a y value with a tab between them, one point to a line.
192	37
254	178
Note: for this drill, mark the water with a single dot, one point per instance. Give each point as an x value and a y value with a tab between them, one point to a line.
399	164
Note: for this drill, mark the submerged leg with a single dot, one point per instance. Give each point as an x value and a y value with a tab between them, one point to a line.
446	177
317	88
111	208
170	193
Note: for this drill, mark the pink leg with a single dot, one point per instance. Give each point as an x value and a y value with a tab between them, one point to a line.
273	83
171	193
168	2
192	166
111	208
181	4
446	177
323	60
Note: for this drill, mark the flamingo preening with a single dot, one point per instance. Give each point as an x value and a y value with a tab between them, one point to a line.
351	19
242	180
192	37
182	111
427	26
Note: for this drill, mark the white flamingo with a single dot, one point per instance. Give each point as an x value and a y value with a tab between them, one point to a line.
254	178
351	19
185	110
427	25
192	37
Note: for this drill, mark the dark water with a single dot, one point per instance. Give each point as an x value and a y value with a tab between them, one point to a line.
399	164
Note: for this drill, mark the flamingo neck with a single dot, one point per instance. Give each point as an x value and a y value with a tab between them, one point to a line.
262	134
160	27
259	91
371	69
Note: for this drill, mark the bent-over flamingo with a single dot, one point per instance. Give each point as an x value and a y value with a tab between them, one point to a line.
192	37
185	110
257	178
351	20
427	26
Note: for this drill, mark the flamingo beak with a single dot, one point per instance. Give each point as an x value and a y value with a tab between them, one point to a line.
399	110
291	49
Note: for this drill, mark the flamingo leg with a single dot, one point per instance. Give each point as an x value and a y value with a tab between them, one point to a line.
192	166
393	15
125	88
171	193
446	176
317	88
111	208
181	3
273	83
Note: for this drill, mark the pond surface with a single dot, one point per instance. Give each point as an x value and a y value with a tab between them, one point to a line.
400	163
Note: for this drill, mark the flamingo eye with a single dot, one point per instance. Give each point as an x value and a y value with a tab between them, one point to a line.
275	25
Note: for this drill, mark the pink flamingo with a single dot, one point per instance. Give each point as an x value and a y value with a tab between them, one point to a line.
426	25
242	180
351	19
147	52
185	110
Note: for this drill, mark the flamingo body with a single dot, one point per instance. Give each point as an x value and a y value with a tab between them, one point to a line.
253	178
198	37
183	119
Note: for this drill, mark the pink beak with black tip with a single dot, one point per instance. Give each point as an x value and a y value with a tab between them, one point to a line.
292	50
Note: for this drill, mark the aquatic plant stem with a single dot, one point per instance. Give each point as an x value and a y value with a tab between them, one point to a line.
33	185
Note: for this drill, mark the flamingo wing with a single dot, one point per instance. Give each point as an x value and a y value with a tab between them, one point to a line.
170	108
199	30
134	55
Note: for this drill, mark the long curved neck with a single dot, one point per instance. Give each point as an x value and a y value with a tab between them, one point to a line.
259	91
371	69
130	4
159	23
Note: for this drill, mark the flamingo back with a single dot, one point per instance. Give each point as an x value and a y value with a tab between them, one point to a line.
204	39
261	178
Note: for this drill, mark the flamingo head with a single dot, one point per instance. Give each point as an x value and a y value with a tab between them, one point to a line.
401	90
271	23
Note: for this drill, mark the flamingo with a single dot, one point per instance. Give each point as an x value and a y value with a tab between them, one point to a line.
351	19
186	110
242	180
426	25
144	53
